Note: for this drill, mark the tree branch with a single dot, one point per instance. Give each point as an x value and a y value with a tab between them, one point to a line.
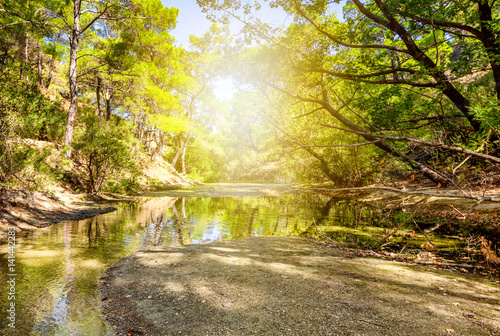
351	145
86	55
398	81
345	44
371	15
456	149
89	71
457	25
360	78
12	24
433	119
308	113
96	18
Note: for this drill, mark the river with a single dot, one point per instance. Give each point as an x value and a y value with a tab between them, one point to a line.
58	267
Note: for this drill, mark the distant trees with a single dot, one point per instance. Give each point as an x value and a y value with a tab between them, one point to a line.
197	101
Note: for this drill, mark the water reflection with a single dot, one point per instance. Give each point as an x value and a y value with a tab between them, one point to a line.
59	266
60	310
201	220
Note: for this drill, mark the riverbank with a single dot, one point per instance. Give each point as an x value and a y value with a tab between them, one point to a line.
26	211
290	286
31	210
435	194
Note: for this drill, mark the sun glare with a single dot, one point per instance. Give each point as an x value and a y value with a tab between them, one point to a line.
224	88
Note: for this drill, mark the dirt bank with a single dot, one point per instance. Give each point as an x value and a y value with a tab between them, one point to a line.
28	210
25	210
61	199
289	286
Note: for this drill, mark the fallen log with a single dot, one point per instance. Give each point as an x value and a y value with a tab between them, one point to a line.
477	198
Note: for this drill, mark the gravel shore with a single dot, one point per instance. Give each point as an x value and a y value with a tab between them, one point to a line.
290	286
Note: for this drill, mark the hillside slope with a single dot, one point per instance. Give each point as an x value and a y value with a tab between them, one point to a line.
57	194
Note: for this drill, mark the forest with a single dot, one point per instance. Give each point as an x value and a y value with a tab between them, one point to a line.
92	92
299	167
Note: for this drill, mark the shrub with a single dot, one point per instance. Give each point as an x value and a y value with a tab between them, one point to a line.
103	148
488	113
25	113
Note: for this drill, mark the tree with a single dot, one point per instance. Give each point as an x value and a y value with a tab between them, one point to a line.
102	149
23	25
381	44
72	17
83	16
201	65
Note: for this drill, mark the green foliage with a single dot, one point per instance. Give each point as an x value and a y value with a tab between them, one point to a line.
32	115
306	81
26	115
170	124
488	113
20	165
406	71
401	217
204	166
104	149
128	185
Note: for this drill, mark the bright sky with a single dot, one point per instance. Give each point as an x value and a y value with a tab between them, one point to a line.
191	21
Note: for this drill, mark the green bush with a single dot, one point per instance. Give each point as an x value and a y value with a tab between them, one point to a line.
488	113
25	113
128	185
29	113
103	148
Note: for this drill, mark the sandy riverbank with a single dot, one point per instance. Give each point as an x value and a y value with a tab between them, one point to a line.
27	211
290	286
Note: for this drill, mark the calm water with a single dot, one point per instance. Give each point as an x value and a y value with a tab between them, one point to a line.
58	267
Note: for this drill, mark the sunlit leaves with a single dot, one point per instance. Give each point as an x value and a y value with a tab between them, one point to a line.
170	124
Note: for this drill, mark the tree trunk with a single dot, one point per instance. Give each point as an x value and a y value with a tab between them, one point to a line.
490	41
179	151
51	69
24	68
40	67
100	113
183	161
108	103
73	88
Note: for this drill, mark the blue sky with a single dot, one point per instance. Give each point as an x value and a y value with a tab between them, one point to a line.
192	21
